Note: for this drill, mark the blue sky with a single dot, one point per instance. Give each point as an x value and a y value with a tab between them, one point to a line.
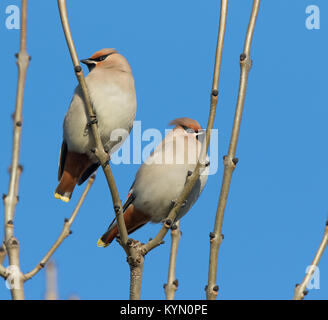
277	205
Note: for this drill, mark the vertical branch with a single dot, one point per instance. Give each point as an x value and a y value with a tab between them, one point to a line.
300	290
153	243
136	270
135	259
230	161
92	119
134	250
11	199
201	162
51	282
172	283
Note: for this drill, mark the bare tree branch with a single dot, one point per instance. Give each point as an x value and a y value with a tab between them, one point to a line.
51	282
158	240
300	289
134	257
153	243
3	251
11	199
201	162
64	234
99	149
230	161
134	249
172	283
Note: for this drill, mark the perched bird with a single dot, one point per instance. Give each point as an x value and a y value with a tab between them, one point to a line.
161	179
111	88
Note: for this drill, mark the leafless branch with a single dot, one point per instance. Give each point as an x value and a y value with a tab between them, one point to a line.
158	240
132	252
300	289
201	163
136	251
11	199
172	283
230	161
64	234
99	148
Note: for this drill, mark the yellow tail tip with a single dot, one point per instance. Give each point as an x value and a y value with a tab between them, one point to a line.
62	198
102	244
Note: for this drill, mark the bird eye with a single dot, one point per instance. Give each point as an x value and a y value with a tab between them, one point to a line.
102	58
188	130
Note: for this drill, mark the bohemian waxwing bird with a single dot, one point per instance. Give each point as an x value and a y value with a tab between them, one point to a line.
111	88
161	179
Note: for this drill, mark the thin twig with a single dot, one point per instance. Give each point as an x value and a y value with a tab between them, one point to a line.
201	162
230	161
64	234
300	289
99	148
11	199
172	283
51	282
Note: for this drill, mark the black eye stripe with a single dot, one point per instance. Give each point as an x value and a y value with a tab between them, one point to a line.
102	58
189	130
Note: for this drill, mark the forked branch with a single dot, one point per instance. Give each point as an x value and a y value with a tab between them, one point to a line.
202	159
134	256
230	161
10	200
136	251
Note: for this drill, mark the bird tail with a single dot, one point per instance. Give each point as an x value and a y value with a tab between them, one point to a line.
65	187
74	165
133	218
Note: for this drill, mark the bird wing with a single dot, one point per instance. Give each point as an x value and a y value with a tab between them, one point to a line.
62	159
129	200
88	172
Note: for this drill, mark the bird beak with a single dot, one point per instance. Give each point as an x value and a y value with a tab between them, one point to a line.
86	61
90	64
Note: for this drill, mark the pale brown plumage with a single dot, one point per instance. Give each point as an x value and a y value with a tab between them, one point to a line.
158	184
112	93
